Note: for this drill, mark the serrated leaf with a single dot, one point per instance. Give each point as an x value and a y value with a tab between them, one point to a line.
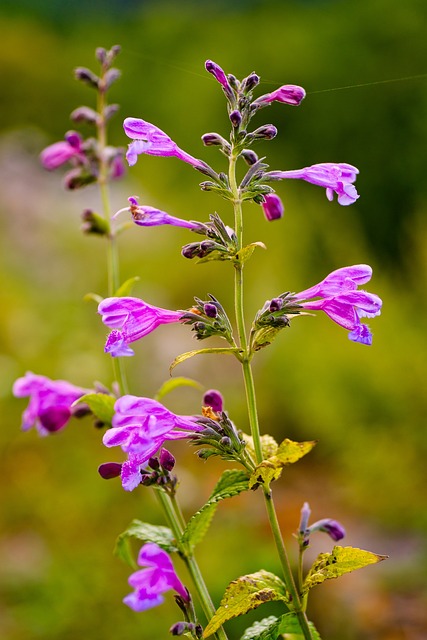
255	631
126	288
162	536
174	383
231	483
195	352
289	625
101	405
269	445
271	468
341	560
244	594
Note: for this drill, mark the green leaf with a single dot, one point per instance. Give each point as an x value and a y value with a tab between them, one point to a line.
341	560
269	445
93	297
271	628
231	483
190	354
126	288
244	594
174	383
246	252
162	536
271	468
101	405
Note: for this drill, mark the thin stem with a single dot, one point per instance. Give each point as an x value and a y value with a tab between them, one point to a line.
252	407
177	523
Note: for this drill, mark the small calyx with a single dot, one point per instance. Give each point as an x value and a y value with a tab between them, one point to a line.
274	316
220	244
220	437
208	318
157	473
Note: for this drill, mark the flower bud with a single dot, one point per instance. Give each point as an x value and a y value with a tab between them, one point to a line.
110	110
178	629
266	132
153	463
190	250
78	178
84	114
236	118
101	54
250	82
167	460
93	223
272	206
87	76
110	77
249	156
225	441
210	310
213	399
276	304
109	470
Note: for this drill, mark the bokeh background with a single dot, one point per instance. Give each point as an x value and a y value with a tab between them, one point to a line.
367	406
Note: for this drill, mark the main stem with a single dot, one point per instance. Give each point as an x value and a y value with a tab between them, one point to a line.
252	407
177	524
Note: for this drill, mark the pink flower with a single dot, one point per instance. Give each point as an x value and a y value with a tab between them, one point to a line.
131	319
149	139
61	152
288	94
145	216
49	408
150	583
343	302
336	178
272	206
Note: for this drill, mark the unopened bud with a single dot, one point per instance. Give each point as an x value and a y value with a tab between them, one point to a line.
276	304
93	223
84	114
210	310
179	628
110	77
101	54
87	76
78	178
236	118
110	110
153	463
225	441
109	470
249	156
250	82
167	460
266	132
213	399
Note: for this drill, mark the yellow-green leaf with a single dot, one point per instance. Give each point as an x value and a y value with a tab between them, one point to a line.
126	288
244	594
162	536
101	405
174	383
196	352
341	560
270	469
269	445
246	252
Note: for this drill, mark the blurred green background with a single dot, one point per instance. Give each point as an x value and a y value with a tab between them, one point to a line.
366	406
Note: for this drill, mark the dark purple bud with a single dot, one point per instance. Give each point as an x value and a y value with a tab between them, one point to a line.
109	470
236	118
213	399
153	463
84	114
78	178
225	441
273	207
179	628
333	528
190	250
54	418
276	304
74	139
210	310
249	156
167	460
214	139
87	76
80	410
266	132
250	82
146	479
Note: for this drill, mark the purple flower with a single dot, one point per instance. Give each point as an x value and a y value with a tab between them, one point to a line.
131	319
49	408
213	399
150	583
333	528
60	152
147	138
140	427
219	75
343	302
272	206
288	94
336	178
146	216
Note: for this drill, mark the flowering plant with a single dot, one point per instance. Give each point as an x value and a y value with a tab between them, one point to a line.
142	426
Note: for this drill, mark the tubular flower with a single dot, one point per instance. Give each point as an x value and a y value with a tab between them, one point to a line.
288	94
140	427
336	178
218	74
149	139
343	302
49	408
60	152
150	583
145	216
131	319
273	207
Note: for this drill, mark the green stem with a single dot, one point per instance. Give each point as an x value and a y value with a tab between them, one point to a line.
177	523
252	408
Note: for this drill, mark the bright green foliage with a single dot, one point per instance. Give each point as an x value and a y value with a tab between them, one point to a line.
101	405
271	468
126	288
272	628
335	564
174	383
246	252
231	483
196	352
162	536
244	594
